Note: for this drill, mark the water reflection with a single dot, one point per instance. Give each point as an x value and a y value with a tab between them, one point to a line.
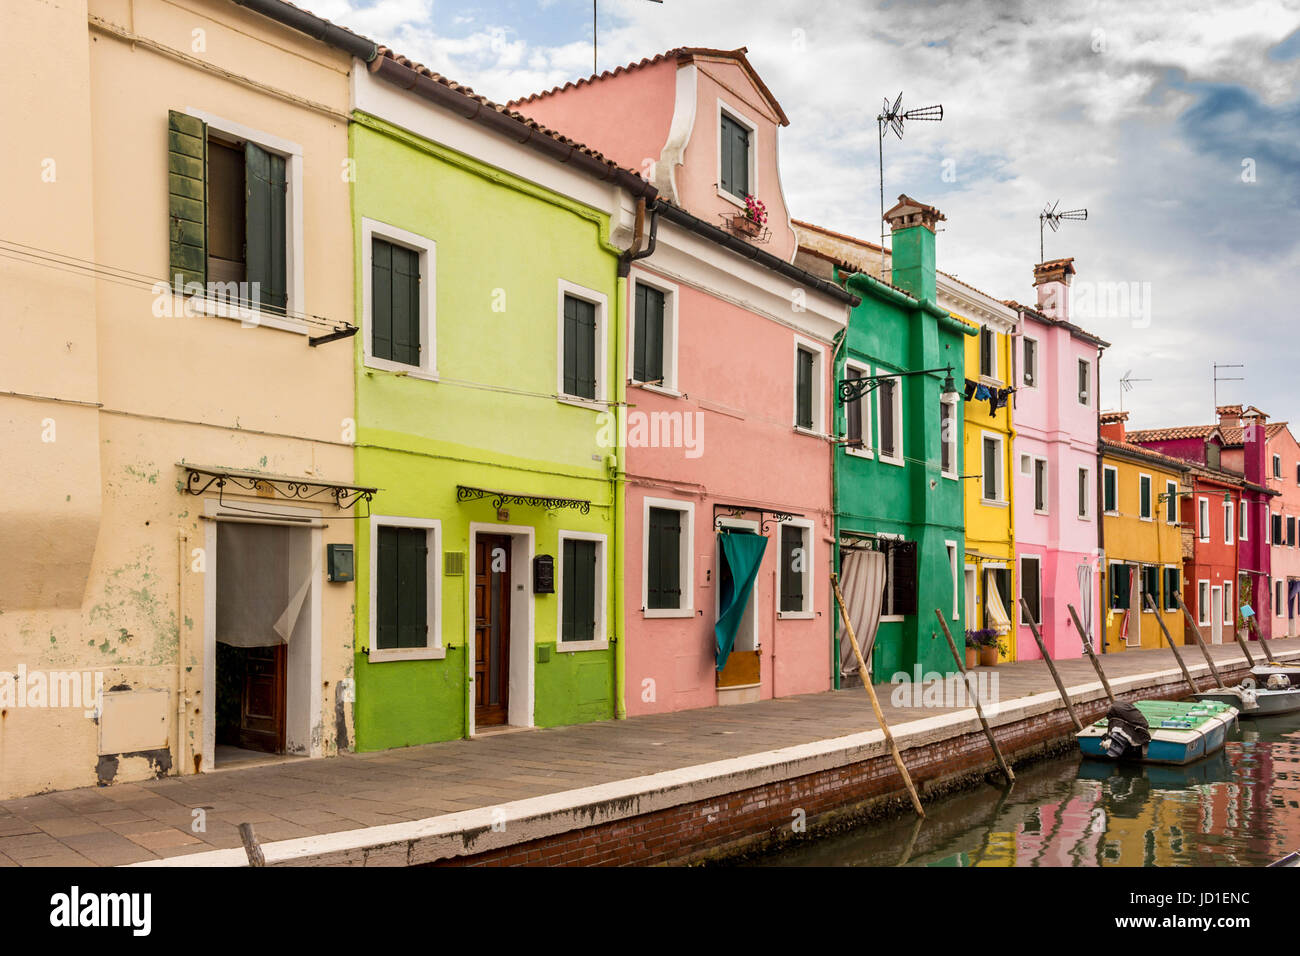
1240	807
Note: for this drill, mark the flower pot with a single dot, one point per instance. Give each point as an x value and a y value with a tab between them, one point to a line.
988	656
746	226
972	657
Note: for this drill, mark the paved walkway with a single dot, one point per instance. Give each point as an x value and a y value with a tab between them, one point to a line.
127	823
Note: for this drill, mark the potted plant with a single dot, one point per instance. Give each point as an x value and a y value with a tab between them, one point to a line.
752	220
990	648
972	649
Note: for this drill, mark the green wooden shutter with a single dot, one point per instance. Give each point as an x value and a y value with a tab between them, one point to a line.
663	571
648	355
1172	584
386	590
803	389
406	305
1110	483
726	144
412	584
187	199
579	348
381	299
733	164
791	579
264	227
579	573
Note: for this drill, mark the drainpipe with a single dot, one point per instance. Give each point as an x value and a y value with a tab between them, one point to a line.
635	251
182	540
841	340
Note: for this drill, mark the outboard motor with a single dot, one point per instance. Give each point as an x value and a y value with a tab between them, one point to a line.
1127	731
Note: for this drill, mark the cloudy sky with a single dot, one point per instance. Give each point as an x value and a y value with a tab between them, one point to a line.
1175	123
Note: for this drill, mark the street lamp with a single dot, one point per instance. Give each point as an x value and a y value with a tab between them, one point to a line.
851	389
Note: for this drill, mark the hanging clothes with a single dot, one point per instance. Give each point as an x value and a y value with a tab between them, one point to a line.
998	398
741	553
971	389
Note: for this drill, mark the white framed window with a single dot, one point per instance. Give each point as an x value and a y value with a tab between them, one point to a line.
954	565
1227	602
667	572
1029	377
949	429
405	625
1277	600
857	415
1041	489
1203	518
809	387
737	152
1229	522
652	333
581	328
1149	582
1171	502
992	479
1146	505
1244	534
988	344
1031	588
795	575
389	319
582	604
887	612
1203	602
1277	466
1110	489
1085	382
1085	493
889	418
228	134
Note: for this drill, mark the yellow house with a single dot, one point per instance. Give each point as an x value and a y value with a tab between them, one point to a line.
1142	543
178	467
988	440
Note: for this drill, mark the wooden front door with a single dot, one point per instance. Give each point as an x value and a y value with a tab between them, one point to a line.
261	705
492	630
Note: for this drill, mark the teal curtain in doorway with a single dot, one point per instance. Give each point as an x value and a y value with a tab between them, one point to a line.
742	553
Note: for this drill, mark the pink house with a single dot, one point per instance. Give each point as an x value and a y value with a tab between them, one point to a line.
1055	447
728	358
1283	472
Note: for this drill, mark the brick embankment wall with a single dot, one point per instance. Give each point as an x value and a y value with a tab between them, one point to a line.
762	818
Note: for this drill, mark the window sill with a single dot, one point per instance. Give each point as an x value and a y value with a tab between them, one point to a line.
795	615
651	387
890	460
667	612
573	647
249	318
993	503
592	404
407	654
950	475
734	200
1043	513
1140	518
893	619
864	453
399	370
812	433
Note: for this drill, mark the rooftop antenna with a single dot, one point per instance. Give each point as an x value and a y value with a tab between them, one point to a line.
594	70
1051	218
1223	378
892	117
1126	385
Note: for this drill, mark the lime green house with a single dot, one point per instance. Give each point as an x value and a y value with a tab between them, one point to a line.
487	253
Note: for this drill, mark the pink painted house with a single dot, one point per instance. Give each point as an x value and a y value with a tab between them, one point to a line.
1055	455
729	344
1283	464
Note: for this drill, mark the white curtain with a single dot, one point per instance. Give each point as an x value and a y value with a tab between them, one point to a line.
258	602
994	610
862	582
1084	573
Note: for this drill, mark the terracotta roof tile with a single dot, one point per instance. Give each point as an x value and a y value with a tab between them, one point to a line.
1147	453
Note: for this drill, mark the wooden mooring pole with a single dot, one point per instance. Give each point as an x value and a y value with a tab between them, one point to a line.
1086	638
1172	646
1262	643
875	704
1042	649
1245	648
1196	633
988	731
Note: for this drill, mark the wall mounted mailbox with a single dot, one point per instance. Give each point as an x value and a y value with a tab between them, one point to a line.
543	574
339	562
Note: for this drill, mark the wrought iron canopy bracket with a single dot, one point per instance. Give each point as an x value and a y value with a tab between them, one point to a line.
851	389
198	480
766	516
502	498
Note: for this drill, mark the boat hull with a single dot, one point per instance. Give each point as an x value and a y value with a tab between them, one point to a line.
1268	703
1168	745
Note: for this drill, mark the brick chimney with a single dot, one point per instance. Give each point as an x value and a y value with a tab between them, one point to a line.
1229	416
1112	426
912	246
1052	281
1254	442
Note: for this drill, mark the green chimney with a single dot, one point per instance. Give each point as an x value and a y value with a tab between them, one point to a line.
912	246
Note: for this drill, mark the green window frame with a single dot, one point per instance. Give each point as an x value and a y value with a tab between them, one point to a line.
578	570
1150	585
1144	497
648	344
401	588
394	302
663	559
579	347
1120	591
803	388
1173	586
733	163
1110	490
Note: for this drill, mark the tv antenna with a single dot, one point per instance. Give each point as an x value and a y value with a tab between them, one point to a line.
892	117
1051	218
1223	378
1126	385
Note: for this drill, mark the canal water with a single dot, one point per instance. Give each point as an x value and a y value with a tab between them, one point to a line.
1240	807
